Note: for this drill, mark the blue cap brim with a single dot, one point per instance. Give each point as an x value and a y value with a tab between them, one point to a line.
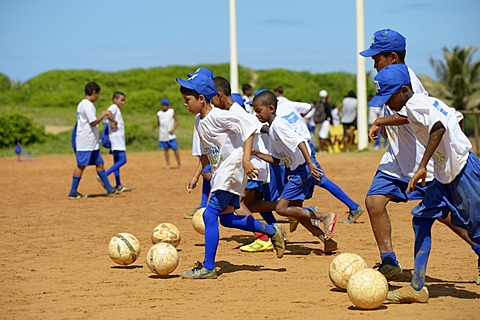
369	52
184	83
378	101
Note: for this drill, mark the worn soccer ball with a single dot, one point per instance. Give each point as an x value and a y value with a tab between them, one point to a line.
367	289
343	267
197	221
124	248
166	232
162	258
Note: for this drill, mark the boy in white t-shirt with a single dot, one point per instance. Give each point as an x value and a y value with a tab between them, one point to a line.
293	152
226	142
116	135
85	136
455	189
167	124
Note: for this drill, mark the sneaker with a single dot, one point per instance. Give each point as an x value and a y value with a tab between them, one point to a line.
293	224
353	215
200	272
190	214
123	189
76	195
408	294
390	271
258	246
101	182
278	241
113	192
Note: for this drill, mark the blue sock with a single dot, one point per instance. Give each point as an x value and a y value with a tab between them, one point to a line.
268	217
423	244
206	187
106	183
339	194
75	183
389	258
119	159
212	235
246	223
476	249
117	178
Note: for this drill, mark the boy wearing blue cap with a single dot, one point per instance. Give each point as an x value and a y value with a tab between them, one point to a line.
226	143
167	124
400	161
456	185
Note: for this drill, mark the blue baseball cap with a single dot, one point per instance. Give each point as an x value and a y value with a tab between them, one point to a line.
385	40
237	97
389	81
204	71
256	94
165	102
201	83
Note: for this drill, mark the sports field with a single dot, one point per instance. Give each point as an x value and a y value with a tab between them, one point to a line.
55	263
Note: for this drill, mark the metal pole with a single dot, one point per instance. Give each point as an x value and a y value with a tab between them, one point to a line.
475	130
362	127
233	47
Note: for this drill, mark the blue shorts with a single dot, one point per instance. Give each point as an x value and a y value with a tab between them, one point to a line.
324	178
221	199
300	184
273	189
88	158
385	184
461	198
207	168
170	144
255	185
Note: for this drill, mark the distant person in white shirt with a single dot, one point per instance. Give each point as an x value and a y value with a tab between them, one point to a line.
167	124
455	189
349	119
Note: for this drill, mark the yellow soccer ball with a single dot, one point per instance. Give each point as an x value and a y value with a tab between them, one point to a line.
166	232
343	267
162	258
124	248
197	221
367	289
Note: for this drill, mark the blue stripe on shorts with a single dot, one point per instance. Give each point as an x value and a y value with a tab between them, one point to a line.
88	158
384	184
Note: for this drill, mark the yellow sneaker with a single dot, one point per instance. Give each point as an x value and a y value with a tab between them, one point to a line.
258	246
408	294
293	224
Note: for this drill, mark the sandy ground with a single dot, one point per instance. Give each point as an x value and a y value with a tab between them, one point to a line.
55	263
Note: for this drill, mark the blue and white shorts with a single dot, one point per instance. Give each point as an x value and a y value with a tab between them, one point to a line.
384	184
170	144
88	158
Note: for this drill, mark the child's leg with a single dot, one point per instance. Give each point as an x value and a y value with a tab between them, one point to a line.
167	158
423	244
103	177
212	235
77	176
177	156
119	158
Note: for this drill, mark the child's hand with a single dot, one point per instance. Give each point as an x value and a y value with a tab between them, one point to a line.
421	174
191	184
373	132
114	125
171	131
314	171
250	169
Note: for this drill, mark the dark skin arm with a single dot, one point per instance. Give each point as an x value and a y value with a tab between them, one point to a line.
436	134
393	120
192	183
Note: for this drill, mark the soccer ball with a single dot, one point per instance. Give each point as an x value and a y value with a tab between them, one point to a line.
343	267
124	248
166	232
197	221
367	289
162	258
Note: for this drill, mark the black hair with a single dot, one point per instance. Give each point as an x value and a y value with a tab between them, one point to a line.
266	98
278	89
351	94
189	92
246	87
117	94
91	88
401	54
223	85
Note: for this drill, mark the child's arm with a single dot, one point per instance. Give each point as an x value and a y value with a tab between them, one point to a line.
316	172
202	162
393	120
266	157
436	134
100	118
112	120
249	168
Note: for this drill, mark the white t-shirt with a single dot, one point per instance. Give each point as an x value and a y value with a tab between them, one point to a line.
452	153
222	134
167	123
285	143
196	149
374	113
404	152
87	135
349	110
335	117
292	113
116	136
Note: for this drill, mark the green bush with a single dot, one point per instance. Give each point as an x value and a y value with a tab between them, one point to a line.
18	127
4	82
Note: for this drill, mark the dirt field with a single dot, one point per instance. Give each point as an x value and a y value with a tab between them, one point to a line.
55	263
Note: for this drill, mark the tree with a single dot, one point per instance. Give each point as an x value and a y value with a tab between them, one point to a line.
459	78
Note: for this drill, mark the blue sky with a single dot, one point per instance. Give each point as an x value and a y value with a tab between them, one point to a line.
307	35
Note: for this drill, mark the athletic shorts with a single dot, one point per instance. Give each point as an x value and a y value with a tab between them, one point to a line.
221	199
170	144
273	189
384	184
324	178
461	198
254	185
299	185
88	158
